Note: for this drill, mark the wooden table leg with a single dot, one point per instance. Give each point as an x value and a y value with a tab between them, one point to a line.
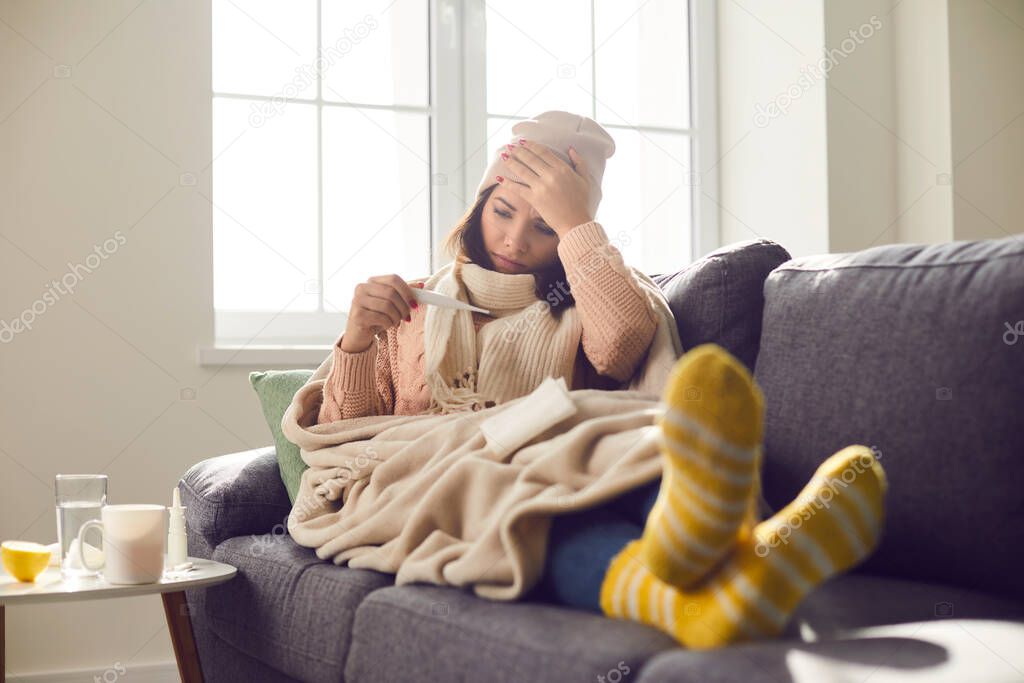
180	626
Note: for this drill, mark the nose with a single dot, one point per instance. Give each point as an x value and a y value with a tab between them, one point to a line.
516	237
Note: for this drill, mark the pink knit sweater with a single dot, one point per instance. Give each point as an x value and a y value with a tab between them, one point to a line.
618	326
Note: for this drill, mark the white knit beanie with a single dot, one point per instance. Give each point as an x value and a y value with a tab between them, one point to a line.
557	130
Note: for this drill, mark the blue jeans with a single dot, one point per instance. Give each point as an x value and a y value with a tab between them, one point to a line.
582	544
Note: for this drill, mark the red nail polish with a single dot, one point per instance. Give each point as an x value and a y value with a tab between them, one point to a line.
522	141
414	304
504	156
499	178
408	319
510	146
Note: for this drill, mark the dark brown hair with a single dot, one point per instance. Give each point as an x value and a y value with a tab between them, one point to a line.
465	242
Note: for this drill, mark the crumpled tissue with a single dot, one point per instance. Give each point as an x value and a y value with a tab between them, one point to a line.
544	407
93	555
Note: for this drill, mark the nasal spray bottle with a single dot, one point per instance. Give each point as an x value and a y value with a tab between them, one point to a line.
177	543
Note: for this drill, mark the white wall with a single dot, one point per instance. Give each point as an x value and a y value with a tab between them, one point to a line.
773	177
861	115
924	191
95	385
987	86
889	124
935	81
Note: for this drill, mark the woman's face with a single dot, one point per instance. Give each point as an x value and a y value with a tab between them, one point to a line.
512	229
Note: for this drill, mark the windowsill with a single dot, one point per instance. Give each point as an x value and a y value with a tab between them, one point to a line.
261	356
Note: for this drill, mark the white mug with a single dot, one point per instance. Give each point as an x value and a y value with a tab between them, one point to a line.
133	542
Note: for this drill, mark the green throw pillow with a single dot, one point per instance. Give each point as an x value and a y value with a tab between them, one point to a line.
275	389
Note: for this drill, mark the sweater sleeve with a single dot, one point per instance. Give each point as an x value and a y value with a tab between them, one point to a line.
618	320
358	384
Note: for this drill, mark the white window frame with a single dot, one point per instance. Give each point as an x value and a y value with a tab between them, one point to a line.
457	121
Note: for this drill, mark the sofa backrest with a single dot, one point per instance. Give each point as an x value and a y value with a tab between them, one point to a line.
718	298
918	352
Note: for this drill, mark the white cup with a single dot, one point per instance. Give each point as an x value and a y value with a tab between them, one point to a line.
133	542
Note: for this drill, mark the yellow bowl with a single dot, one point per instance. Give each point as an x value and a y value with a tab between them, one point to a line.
24	560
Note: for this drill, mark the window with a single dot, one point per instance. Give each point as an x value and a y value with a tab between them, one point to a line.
349	136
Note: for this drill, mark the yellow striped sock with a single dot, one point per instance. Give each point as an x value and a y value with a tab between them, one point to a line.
711	444
831	526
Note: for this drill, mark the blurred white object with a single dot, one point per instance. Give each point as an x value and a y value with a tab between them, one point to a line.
93	554
544	407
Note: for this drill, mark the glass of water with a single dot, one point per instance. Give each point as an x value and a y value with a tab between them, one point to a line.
80	497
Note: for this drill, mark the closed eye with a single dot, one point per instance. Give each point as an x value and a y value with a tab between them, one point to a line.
540	225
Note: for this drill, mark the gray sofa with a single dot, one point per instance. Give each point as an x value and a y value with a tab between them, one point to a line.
903	348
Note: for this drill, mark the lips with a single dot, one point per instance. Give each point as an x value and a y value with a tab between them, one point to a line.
507	261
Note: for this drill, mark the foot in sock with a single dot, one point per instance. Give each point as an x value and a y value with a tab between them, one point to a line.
831	526
710	441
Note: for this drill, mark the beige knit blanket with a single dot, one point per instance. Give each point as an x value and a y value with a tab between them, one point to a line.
427	500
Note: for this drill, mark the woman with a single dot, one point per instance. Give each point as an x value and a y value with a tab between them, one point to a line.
687	553
520	242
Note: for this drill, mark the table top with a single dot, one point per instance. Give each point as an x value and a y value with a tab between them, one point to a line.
50	586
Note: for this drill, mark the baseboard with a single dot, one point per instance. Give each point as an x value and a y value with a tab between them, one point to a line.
135	673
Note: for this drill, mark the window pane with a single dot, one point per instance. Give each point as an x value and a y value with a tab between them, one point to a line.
643	65
499	132
259	44
645	207
376	198
375	52
538	57
265	218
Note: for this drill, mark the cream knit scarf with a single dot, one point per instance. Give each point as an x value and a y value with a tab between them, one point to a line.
510	356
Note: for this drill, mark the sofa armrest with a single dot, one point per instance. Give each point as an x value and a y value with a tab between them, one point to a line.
233	495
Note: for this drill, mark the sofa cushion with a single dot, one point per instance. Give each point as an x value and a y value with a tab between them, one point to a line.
718	298
857	627
855	600
901	348
232	495
219	660
287	607
434	633
225	663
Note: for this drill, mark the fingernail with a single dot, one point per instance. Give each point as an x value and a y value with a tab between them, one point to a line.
499	179
522	141
504	156
414	303
510	146
408	318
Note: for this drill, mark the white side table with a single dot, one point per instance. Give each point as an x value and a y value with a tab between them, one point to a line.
51	587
